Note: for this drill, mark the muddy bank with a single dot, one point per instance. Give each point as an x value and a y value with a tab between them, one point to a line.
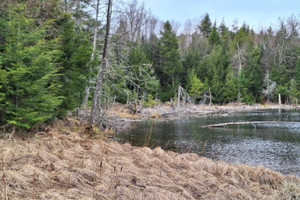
63	164
121	118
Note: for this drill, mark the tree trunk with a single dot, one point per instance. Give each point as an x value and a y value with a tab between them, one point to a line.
279	99
240	60
210	98
96	109
178	100
87	88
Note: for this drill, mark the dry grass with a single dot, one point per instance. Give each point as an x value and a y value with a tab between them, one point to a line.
63	164
121	111
165	110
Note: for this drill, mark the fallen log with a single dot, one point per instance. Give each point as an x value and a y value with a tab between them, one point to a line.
280	124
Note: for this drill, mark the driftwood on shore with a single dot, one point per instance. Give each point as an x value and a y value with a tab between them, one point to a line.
282	124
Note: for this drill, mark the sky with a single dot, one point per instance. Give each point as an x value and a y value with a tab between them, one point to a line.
258	14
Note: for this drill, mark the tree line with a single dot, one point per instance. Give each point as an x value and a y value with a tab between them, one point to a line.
57	56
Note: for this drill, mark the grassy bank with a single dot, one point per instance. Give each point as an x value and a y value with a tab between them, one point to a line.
66	163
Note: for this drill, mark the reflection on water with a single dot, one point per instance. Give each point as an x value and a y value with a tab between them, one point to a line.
272	146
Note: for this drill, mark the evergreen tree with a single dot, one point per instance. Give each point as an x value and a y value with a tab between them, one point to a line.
76	51
219	61
253	77
231	87
214	38
3	83
223	29
241	39
3	73
280	75
294	92
169	68
196	87
295	85
206	26
28	63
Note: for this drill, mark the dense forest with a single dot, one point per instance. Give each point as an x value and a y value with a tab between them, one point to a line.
57	56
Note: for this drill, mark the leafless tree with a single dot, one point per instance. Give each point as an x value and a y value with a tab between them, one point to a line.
95	38
185	39
96	109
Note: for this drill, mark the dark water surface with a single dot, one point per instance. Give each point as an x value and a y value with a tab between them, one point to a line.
271	145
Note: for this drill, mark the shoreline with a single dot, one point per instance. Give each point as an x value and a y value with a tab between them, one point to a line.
121	119
67	164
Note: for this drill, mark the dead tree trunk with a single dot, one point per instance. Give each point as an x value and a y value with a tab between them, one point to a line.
279	99
178	100
96	109
182	94
87	88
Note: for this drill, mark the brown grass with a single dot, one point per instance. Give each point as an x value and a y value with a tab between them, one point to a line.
63	164
120	111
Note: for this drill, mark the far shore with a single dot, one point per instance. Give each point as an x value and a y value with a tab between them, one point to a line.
121	117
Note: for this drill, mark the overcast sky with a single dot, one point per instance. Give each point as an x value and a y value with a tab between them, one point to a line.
257	13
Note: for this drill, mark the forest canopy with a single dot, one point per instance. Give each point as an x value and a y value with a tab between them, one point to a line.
52	52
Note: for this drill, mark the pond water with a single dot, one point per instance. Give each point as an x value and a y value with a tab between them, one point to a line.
273	146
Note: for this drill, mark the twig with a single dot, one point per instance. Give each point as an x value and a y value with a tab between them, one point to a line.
4	189
286	118
149	135
12	133
167	145
33	185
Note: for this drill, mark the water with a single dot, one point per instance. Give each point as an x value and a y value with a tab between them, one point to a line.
273	146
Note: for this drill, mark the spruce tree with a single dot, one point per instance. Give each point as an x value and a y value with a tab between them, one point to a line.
230	93
74	66
169	67
219	62
3	82
253	77
295	85
214	38
206	26
31	87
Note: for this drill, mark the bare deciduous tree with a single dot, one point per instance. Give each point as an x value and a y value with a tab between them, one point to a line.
96	109
87	89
